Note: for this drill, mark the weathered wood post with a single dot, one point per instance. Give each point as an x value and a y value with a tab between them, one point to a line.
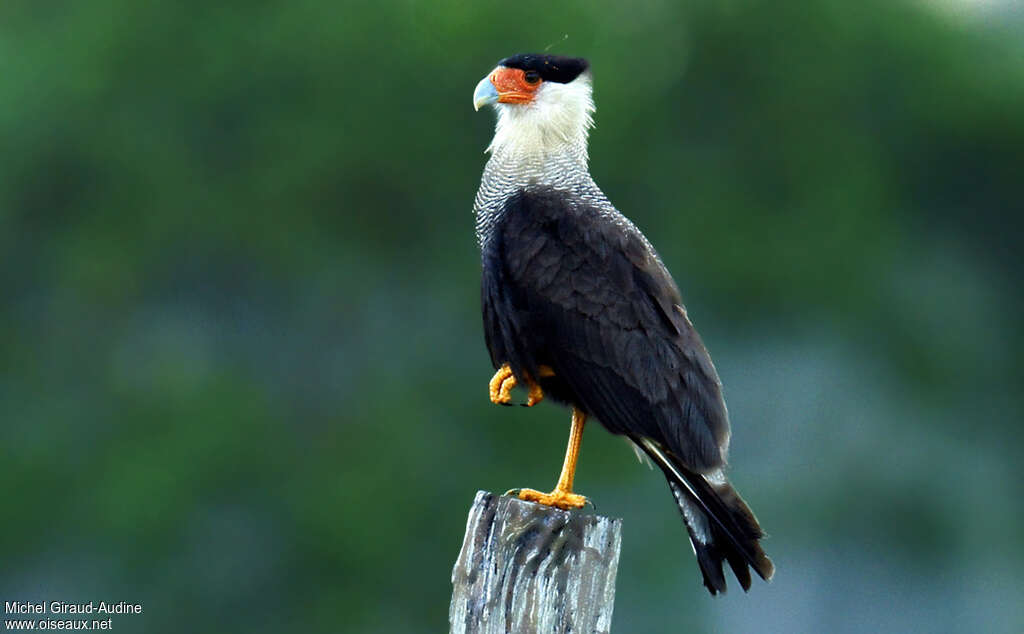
529	568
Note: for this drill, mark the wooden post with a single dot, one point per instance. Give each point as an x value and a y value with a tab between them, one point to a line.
529	568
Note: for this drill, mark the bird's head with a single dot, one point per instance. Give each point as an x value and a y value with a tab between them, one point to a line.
544	102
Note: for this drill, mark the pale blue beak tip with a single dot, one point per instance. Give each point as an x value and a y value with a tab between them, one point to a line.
485	93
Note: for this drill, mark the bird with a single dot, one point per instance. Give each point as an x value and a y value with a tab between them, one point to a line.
579	307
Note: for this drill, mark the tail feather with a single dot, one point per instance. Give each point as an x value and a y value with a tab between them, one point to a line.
722	527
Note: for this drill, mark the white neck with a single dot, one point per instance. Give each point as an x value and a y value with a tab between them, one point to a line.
556	122
541	143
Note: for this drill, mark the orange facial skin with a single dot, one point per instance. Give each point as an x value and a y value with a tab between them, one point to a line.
512	86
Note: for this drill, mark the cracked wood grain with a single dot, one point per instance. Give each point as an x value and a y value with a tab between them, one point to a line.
529	568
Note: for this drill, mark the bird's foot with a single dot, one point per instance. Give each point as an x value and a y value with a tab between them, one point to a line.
536	395
561	499
503	381
501	385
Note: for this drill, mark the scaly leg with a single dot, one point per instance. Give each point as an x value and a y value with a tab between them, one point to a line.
562	496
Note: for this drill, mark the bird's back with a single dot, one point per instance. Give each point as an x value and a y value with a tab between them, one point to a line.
570	286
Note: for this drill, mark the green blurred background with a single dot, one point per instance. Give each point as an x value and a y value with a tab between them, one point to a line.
242	372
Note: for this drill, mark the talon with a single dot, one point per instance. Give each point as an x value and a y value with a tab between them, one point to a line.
501	385
564	500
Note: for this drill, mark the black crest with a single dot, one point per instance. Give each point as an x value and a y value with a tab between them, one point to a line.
551	67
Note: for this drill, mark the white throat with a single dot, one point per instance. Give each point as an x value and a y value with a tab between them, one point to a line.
556	122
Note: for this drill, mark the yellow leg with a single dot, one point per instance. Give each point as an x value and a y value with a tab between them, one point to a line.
562	496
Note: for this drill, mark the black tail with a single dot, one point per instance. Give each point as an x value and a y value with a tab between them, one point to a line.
721	525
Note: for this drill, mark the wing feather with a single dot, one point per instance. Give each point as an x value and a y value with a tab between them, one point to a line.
589	297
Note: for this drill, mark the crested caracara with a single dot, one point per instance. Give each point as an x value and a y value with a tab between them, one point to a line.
578	307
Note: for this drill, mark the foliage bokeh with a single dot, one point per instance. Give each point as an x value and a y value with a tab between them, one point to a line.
241	368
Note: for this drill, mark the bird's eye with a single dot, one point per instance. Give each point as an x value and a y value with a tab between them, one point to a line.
531	76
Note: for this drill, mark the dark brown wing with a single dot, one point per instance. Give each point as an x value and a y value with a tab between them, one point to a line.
578	289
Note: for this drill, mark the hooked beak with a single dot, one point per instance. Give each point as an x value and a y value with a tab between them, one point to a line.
485	93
